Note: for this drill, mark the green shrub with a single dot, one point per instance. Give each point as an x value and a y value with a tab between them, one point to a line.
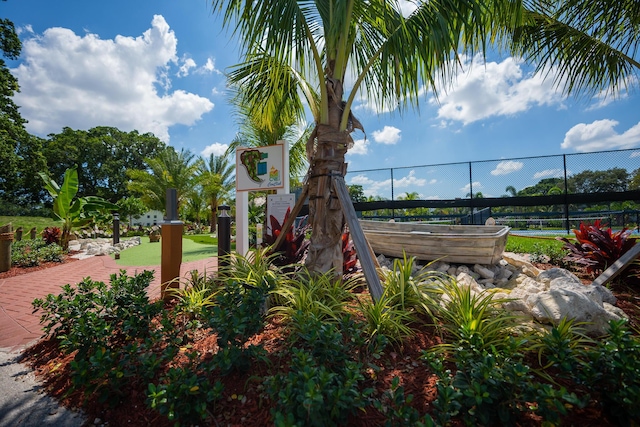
182	395
324	384
30	253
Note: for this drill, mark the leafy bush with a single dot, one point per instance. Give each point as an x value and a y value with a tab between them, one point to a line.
110	330
324	384
183	395
29	253
609	367
236	316
598	248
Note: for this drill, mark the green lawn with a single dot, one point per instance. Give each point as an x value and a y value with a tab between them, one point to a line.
531	244
28	222
150	253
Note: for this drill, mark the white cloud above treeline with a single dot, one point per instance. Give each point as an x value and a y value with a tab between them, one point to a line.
389	135
600	135
84	81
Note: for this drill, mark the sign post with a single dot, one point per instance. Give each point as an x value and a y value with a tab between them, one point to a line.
257	168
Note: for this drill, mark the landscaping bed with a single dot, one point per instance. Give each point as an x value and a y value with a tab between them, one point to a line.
314	361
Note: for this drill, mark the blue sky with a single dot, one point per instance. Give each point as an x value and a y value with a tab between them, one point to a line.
158	66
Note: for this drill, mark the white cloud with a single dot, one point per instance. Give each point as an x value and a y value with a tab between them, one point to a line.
433	181
372	187
407	7
28	28
84	81
216	149
187	64
467	188
600	135
389	135
506	167
635	154
481	90
549	173
360	146
209	67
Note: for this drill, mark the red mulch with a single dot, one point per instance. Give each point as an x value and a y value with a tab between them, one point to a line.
17	271
245	402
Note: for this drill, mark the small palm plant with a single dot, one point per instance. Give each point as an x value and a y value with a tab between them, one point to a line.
319	294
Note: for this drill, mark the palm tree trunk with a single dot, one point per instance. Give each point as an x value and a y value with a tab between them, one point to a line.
325	213
214	214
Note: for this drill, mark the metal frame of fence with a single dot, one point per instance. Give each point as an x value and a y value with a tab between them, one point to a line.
567	207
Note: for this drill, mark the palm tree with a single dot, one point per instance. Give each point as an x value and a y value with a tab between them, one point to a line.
170	169
256	130
511	190
216	176
309	48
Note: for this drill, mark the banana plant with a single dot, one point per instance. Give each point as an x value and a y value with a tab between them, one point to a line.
72	212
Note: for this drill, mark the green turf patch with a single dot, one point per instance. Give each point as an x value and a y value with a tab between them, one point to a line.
150	253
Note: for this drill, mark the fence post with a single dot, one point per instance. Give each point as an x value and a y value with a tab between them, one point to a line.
393	211
566	194
6	238
473	222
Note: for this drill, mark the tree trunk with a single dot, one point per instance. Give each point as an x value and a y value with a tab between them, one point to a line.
325	213
214	215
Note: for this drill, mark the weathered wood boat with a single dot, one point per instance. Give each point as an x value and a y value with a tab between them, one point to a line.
467	244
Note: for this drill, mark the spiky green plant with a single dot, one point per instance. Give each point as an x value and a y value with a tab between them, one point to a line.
320	294
384	318
472	319
254	269
413	291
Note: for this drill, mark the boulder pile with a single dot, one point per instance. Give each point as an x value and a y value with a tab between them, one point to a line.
546	296
100	246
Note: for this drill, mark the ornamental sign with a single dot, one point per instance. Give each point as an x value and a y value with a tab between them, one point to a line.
260	168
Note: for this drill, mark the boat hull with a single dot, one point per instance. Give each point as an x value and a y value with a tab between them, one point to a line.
465	244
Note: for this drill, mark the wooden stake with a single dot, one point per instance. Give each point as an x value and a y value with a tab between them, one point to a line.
618	267
359	239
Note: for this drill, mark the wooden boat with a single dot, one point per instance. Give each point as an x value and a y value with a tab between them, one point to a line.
466	244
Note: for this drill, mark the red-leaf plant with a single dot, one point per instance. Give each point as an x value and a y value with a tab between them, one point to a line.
349	258
598	248
51	235
293	247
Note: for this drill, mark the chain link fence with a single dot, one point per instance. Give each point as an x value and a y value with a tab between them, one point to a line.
528	192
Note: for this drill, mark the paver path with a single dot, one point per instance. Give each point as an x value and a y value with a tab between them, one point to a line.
20	327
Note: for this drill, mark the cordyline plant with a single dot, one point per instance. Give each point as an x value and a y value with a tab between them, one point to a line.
293	247
598	248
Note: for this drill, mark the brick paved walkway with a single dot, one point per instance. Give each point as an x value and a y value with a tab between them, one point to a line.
20	327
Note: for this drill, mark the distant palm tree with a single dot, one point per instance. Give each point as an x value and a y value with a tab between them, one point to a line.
511	190
170	169
216	175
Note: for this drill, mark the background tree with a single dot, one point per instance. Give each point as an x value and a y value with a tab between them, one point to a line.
356	192
20	153
131	208
588	181
103	154
170	169
290	46
216	175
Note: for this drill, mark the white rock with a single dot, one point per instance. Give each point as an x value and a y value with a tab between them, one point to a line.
485	273
554	305
462	269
